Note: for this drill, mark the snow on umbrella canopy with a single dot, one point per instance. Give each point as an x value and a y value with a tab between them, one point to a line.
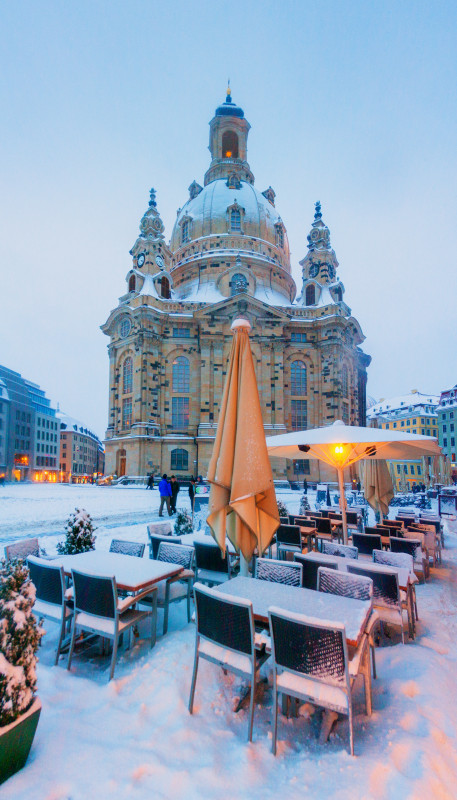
340	445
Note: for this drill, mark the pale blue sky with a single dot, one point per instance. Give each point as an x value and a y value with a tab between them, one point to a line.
351	103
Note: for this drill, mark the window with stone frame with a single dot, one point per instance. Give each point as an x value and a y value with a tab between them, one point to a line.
229	144
235	220
127	375
279	235
310	295
301	466
238	284
180	409
132	283
299	414
126	413
181	374
298	378
179	459
344	381
165	288
185	232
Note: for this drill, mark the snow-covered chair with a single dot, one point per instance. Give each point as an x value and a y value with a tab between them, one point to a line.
388	600
402	560
311	663
310	569
269	569
413	546
155	541
225	636
51	600
179	587
366	543
288	540
98	609
211	566
127	548
22	549
342	550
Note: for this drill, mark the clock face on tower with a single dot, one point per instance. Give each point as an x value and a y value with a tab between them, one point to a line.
141	259
160	262
313	270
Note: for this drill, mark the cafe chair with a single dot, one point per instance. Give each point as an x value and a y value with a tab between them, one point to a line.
342	550
269	569
50	599
180	586
211	566
155	540
388	600
125	548
310	569
366	543
22	549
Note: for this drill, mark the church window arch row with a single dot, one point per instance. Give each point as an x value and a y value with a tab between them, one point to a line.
298	378
127	375
298	394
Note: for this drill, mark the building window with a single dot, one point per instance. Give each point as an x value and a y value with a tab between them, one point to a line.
235	220
310	295
229	145
181	374
181	333
239	283
180	413
297	337
132	283
165	288
298	378
179	458
345	413
127	412
444	429
338	294
398	469
411	469
279	235
452	441
299	414
445	442
301	467
127	375
344	381
419	470
185	231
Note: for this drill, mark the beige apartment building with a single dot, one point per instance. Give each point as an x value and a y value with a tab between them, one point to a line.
81	452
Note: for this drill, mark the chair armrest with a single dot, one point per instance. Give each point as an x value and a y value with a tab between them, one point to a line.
125	602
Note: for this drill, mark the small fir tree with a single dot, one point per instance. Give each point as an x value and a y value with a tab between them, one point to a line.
304	504
282	509
19	639
183	523
79	534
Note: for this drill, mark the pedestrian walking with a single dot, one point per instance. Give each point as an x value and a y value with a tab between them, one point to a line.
305	486
150	483
165	495
174	486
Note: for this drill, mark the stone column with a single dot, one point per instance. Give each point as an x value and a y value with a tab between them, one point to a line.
112	392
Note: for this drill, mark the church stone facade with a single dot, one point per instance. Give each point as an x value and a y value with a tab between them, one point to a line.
170	336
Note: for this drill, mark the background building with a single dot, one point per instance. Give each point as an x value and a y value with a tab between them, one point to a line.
411	413
170	333
81	451
4	427
447	420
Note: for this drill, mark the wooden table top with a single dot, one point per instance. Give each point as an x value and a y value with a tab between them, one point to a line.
131	574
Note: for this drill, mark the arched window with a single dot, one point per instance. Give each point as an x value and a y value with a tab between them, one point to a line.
239	283
132	283
310	296
338	294
229	145
280	235
127	375
344	381
165	287
185	231
179	459
298	378
235	220
181	374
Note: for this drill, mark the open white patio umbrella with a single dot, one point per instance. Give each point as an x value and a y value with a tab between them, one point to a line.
378	486
242	500
340	445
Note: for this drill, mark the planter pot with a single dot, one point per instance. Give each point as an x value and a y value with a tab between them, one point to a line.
16	740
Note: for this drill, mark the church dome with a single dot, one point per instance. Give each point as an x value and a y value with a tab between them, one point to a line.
209	214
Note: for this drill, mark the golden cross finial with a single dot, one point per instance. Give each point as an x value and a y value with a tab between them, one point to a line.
229	91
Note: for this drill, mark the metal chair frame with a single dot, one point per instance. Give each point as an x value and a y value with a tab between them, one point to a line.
50	602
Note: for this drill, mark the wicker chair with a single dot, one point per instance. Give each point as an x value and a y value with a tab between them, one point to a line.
125	548
99	610
414	548
288	540
366	543
404	560
211	567
342	550
225	636
310	662
180	587
22	549
387	599
155	540
268	569
50	600
310	569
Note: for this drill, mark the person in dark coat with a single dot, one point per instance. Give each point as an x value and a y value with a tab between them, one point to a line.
174	486
150	483
165	495
192	485
305	486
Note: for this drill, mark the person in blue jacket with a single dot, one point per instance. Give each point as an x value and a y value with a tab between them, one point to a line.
165	495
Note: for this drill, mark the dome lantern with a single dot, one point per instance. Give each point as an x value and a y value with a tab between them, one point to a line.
228	143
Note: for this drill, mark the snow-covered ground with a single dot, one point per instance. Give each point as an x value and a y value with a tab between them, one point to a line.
134	738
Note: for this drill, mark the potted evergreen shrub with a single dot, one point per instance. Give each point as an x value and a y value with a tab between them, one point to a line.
282	508
19	639
79	534
183	523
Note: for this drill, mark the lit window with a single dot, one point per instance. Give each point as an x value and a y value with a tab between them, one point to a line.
179	459
127	375
181	374
229	145
127	412
299	414
180	413
298	378
235	220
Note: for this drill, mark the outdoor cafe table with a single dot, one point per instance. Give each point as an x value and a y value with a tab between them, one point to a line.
405	577
131	574
353	614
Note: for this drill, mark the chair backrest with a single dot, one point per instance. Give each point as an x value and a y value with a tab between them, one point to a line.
154	542
393	523
305	522
310	568
309	647
344	584
49	580
94	594
159	529
176	554
126	548
405	519
324	513
225	620
209	557
370	531
22	549
317	514
323	525
268	569
289	535
343	550
383	530
386	591
411	546
284	520
366	543
404	560
352	518
335	516
291	519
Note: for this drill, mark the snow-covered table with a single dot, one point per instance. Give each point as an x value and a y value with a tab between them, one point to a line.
131	574
353	614
405	577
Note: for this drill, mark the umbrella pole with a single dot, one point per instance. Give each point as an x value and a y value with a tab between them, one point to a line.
343	504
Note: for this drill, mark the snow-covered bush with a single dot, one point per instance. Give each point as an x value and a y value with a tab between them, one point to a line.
304	504
282	508
79	534
19	640
183	523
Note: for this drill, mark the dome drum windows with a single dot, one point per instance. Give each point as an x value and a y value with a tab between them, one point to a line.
186	229
279	234
235	216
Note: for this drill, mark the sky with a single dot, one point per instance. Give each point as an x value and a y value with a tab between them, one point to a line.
350	103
